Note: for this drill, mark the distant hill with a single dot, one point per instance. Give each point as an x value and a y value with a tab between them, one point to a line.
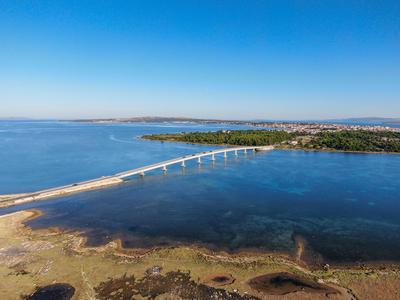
14	119
157	120
368	120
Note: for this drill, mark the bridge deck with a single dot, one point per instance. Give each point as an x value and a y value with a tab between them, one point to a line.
186	158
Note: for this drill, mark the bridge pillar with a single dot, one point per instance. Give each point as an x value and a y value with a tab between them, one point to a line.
199	160
236	153
164	168
225	156
245	151
141	174
183	164
212	157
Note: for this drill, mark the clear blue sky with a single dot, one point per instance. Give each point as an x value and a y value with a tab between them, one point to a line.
218	59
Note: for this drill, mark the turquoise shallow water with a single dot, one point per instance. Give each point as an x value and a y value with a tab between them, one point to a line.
346	206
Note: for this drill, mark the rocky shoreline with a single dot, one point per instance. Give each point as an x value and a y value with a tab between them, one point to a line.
32	261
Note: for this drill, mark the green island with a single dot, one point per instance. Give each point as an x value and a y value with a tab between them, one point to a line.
228	137
346	140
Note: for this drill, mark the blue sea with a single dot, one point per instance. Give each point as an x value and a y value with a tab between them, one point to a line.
345	206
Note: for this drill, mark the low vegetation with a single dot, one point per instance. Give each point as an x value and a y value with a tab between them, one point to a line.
367	141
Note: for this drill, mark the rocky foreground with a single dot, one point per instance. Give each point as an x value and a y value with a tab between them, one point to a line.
51	264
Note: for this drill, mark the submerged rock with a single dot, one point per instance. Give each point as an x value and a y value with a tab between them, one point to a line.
285	283
57	291
218	279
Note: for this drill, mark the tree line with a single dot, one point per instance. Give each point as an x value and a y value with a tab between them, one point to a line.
227	137
348	140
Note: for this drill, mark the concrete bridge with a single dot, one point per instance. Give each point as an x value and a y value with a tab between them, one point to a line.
182	160
8	200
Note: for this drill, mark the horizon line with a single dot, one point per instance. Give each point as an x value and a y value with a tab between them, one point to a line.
199	118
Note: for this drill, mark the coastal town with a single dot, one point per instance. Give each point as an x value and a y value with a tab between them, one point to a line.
314	128
306	127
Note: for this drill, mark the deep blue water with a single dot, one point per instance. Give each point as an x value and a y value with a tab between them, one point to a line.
40	154
346	206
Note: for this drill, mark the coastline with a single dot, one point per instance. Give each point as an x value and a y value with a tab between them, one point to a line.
298	256
45	254
336	151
